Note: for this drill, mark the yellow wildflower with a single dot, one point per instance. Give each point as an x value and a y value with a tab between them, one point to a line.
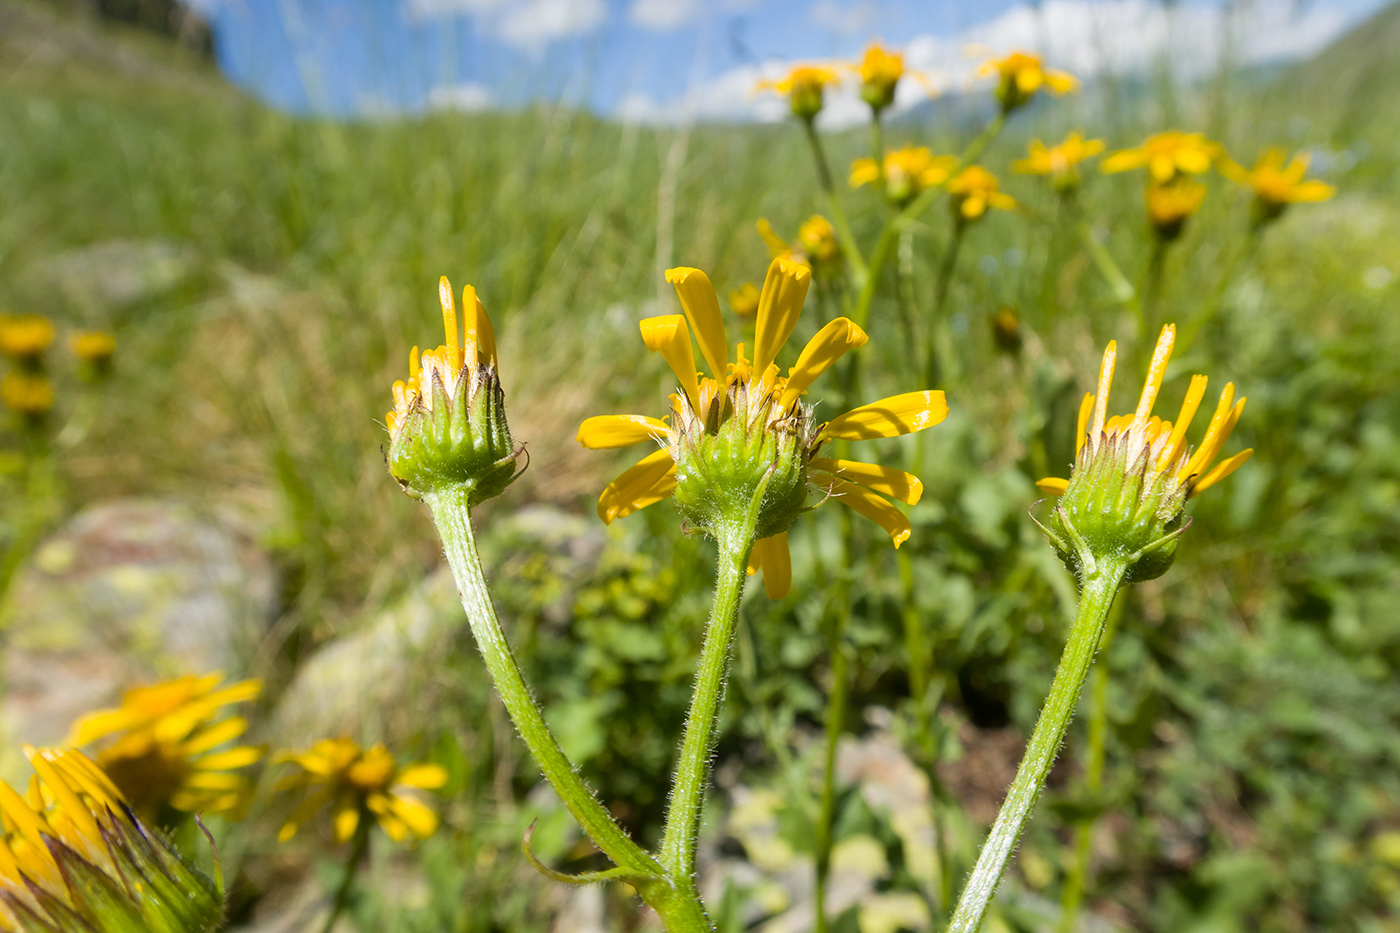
1275	185
908	172
1167	156
27	394
92	346
880	71
975	189
745	424
1060	163
816	247
361	784
743	300
1169	206
163	740
1020	75
804	86
25	337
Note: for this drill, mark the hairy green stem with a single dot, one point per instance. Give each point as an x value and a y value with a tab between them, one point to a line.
1096	597
838	214
359	848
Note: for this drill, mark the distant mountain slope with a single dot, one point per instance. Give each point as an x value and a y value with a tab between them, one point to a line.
1352	88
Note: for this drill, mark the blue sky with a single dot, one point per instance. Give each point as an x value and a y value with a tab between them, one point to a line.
671	60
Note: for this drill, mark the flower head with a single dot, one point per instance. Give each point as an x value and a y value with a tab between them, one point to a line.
27	394
743	300
1133	473
448	428
743	433
94	347
1275	185
1167	156
816	246
166	745
73	857
1059	163
907	172
1020	75
25	337
880	71
805	87
1169	206
975	189
360	784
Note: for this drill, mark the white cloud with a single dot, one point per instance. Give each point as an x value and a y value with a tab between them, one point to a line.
533	24
662	15
844	18
468	97
433	9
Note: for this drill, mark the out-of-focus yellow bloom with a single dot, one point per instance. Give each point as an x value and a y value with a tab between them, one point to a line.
816	247
72	857
1167	156
1020	75
743	300
804	86
358	784
92	346
1060	163
165	744
1276	185
908	172
1169	206
25	337
745	424
975	189
27	394
880	71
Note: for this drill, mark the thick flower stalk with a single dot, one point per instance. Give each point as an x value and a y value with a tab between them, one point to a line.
167	746
1276	185
1117	520
74	858
905	173
1059	163
1021	75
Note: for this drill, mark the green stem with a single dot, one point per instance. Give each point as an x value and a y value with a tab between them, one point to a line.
359	848
1151	289
877	148
735	539
940	295
838	214
1123	291
673	899
835	721
1096	597
979	145
1212	304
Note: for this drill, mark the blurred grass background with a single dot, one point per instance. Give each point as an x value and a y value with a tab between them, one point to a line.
1254	708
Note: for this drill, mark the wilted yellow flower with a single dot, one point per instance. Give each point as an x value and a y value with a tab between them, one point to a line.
72	857
25	337
743	300
92	346
1060	163
975	189
359	784
1133	473
27	394
1170	205
1167	156
1020	75
745	425
908	172
163	744
1275	185
804	86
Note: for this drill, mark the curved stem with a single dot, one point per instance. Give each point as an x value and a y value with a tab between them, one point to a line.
359	848
1095	599
838	214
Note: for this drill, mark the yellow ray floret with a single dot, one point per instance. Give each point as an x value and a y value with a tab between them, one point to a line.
1167	156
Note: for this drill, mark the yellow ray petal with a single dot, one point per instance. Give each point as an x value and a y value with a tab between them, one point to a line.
96	725
426	776
650	480
216	735
669	336
780	304
422	821
1194	393
1156	372
1085	407
873	507
771	555
1200	460
1110	358
347	820
449	321
1052	485
478	330
882	479
1222	469
828	346
239	757
605	432
890	417
701	306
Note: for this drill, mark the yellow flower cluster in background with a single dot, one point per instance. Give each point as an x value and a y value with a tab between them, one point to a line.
974	190
25	336
907	172
1276	185
805	87
1059	163
165	746
1020	75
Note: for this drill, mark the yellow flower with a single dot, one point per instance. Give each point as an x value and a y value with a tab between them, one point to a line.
72	857
743	301
1167	156
27	394
1276	186
1020	75
92	346
880	71
1169	206
359	784
163	740
816	248
1061	163
745	422
975	189
25	336
804	86
1148	443
908	172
